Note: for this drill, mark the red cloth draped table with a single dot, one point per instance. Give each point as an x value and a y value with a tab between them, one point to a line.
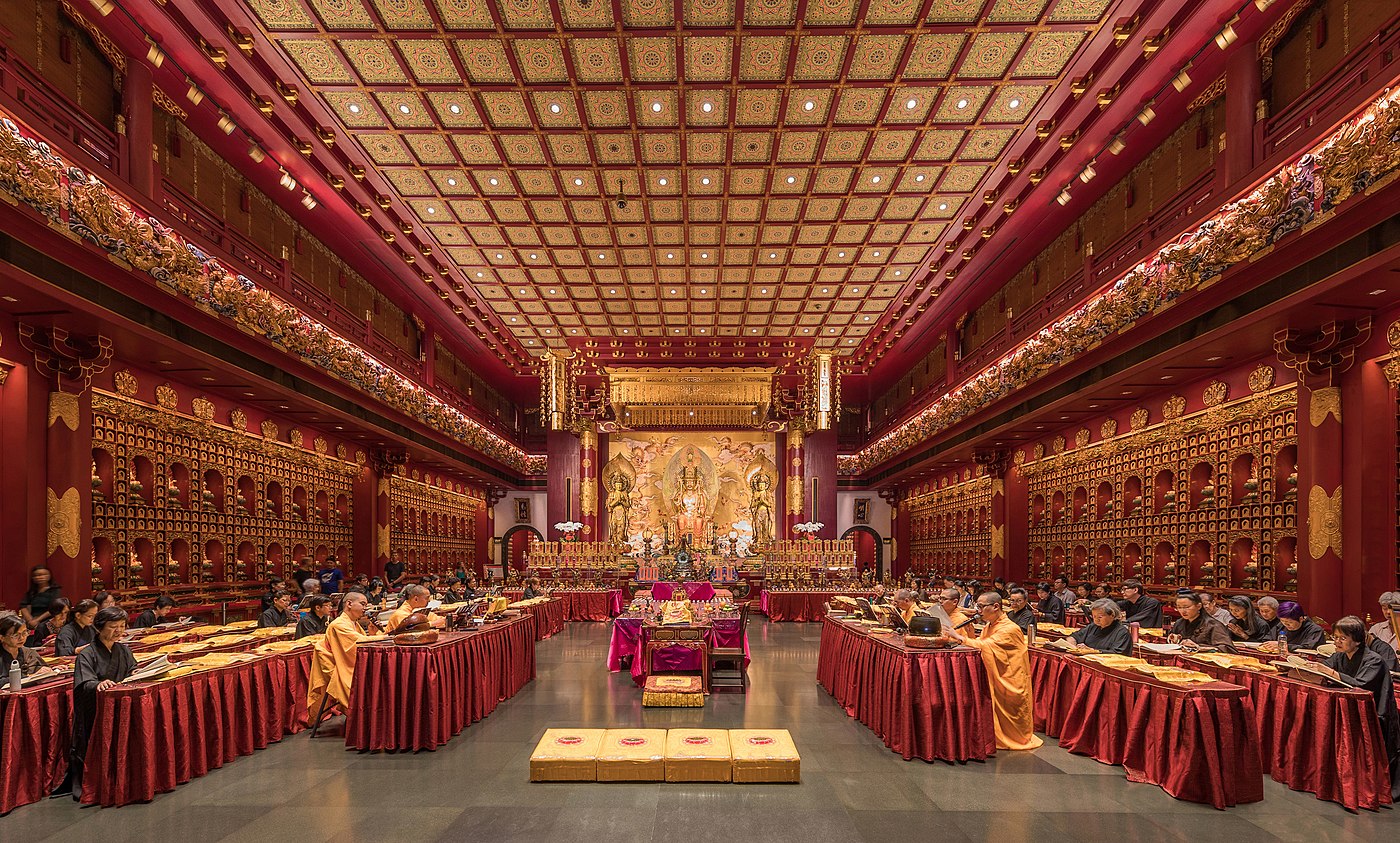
1325	741
630	635
1199	743
617	602
930	704
35	729
148	738
407	698
549	618
800	605
587	605
699	590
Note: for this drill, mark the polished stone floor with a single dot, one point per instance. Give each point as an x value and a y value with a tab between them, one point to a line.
853	788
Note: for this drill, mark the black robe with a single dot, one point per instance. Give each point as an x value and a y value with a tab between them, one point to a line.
272	617
93	665
310	625
1205	631
1114	638
1368	671
71	637
1385	651
1309	636
1052	608
1147	611
1022	617
146	619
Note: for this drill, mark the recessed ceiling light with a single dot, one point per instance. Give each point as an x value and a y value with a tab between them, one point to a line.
533	256
877	254
942	206
554	108
792	179
354	109
962	103
248	394
601	256
911	104
919	177
432	210
707	106
578	182
867	319
704	255
546	330
855	289
897	273
522	291
1093	406
656	106
624	330
840	254
403	109
806	330
500	256
481	275
763	292
1166	377
808	105
705	180
452	182
529	342
1213	359
1375	292
455	108
612	292
206	378
673	292
552	291
1126	393
825	289
702	330
772	254
513	319
703	291
670	256
493	181
874	179
1014	104
662	181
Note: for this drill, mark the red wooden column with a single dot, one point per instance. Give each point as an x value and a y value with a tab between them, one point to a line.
793	508
899	531
1008	516
69	362
384	465
138	109
819	469
364	525
1244	85
1321	357
486	529
588	485
565	462
1368	509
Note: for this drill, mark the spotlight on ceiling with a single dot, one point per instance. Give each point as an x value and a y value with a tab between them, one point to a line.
1147	115
1064	197
1182	80
1117	145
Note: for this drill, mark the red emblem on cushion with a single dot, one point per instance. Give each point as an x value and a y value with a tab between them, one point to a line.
569	740
697	740
633	741
760	741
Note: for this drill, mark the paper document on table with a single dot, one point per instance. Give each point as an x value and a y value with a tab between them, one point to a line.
1165	649
155	667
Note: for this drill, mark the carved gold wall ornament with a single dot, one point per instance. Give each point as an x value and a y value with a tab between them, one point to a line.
1173	408
166	397
125	383
63	406
1324	402
588	496
203	409
1020	456
1324	522
588	439
269	429
998	540
1139	419
1037	450
360	457
1081	437
296	437
65	522
1215	393
1057	445
340	451
319	444
1108	429
1261	379
238	420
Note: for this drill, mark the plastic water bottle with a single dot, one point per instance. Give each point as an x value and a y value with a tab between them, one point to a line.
1135	629
15	678
1031	641
1282	640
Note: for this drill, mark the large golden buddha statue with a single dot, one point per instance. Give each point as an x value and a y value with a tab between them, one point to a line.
691	501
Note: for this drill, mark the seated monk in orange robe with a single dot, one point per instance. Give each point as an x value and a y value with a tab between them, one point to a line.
333	659
415	600
1008	665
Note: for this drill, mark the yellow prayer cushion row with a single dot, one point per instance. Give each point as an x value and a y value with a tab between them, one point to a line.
678	755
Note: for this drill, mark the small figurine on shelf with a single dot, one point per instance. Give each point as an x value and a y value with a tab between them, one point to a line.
241	504
208	498
96	485
172	493
1169	501
135	487
1137	504
1207	496
1251	491
1290	486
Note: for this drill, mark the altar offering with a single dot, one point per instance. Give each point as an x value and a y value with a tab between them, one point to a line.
698	755
632	755
567	755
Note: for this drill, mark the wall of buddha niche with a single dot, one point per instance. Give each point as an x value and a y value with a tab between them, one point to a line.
432	523
950	524
692	483
181	496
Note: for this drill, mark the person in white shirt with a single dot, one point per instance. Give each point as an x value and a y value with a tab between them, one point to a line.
1064	592
1384	630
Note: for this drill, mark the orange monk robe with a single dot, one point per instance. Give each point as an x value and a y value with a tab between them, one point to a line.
399	616
333	664
957	617
906	615
1003	649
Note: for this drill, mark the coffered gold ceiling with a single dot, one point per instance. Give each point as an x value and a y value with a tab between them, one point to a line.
785	168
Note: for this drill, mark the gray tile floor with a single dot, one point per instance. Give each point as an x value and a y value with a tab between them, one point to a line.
853	788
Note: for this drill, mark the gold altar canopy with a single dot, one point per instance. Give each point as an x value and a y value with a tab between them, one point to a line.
690	398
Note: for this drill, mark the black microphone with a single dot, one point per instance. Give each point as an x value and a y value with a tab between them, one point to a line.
967	622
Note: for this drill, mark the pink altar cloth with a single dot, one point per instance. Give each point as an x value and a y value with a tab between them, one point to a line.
693	590
630	636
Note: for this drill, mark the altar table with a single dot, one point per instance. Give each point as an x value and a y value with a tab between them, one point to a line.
631	633
928	704
1325	741
701	590
408	698
580	605
800	605
150	737
549	618
35	730
1198	743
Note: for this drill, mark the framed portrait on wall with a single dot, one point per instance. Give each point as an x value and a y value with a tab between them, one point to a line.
862	513
522	510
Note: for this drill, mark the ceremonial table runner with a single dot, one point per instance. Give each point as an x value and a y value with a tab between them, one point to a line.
1198	742
149	738
630	636
1325	741
35	730
590	605
802	606
408	698
701	591
928	704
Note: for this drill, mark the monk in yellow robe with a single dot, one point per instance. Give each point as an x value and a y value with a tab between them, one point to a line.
949	599
1003	649
333	659
415	600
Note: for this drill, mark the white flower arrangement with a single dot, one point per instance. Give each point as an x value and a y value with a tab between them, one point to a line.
808	527
569	526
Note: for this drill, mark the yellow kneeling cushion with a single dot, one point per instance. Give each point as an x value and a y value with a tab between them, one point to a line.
698	755
566	755
632	755
764	755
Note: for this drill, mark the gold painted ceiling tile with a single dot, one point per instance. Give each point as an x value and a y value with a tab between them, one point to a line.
925	233
1049	52
652	59
568	149
465	14
850	234
911	105
763	13
833	179
985	144
541	60
522	149
596	60
405	109
783	210
955	11
432	210
374	61
823	209
493	182
939	144
1014	103
706	107
588	211
830	12
820	57
877	56
708	58
537	183
476	149
752	147
891	12
555	235
860	105
470	210
384	149
606	108
431	149
902	208
485	61
798	147
410	182
454	109
942	207
990	54
650	14
757	107
962	103
451	182
555	110
343	14
660	148
709	13
282	14
706	147
807	106
790	180
963	178
863	209
933	55
429	60
466	257
1016	11
763	58
613	149
875	179
845	147
403	14
892	145
526	14
318	60
655	108
586	14
1085	11
522	236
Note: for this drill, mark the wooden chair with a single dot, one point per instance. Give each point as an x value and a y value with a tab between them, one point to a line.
687	638
735	675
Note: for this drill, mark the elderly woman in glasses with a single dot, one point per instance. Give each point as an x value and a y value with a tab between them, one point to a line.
1003	649
1355	665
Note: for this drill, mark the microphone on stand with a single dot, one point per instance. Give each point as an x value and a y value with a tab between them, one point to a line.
968	622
